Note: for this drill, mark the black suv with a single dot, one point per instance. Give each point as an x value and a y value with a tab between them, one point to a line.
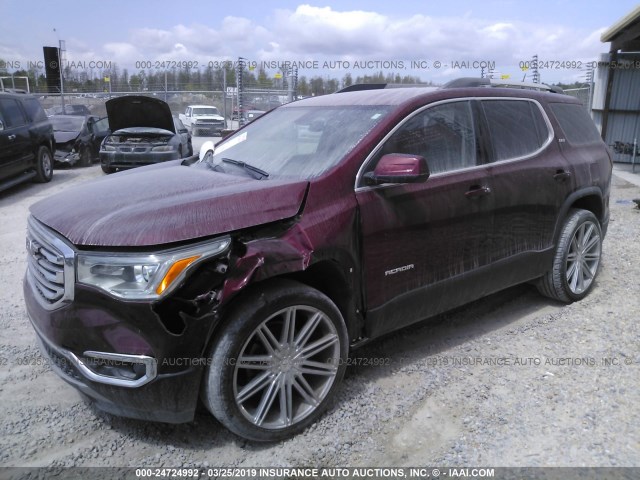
26	140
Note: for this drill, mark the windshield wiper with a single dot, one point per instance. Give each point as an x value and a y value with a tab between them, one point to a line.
248	167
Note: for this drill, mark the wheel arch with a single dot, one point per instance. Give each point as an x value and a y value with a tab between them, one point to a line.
590	199
330	278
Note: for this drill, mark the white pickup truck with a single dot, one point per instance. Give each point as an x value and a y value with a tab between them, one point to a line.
203	118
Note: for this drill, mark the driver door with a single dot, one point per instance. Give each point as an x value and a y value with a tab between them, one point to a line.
424	243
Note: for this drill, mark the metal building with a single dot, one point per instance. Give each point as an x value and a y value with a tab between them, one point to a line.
616	97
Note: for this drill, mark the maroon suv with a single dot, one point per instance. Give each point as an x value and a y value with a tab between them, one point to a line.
245	278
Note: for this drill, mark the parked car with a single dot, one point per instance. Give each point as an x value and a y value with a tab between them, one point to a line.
203	118
243	111
26	140
143	132
68	110
78	138
253	114
246	278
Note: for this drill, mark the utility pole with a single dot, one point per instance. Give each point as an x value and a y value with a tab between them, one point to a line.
60	66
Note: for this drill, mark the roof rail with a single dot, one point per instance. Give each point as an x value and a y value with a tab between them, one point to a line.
362	86
379	86
468	82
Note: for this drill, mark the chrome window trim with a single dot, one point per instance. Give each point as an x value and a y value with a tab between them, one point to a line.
377	148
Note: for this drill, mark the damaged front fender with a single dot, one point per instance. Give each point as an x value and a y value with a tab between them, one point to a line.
268	257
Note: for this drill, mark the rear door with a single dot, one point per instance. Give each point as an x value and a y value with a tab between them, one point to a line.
420	242
16	153
530	179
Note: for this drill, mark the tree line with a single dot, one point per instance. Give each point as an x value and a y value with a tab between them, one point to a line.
191	79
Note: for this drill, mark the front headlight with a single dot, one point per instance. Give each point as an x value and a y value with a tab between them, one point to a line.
164	148
140	276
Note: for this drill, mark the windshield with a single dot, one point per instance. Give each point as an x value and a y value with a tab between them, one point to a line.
67	124
300	142
205	111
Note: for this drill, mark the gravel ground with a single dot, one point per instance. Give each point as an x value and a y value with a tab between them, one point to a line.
511	380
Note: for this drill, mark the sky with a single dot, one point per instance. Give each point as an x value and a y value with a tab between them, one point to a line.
405	37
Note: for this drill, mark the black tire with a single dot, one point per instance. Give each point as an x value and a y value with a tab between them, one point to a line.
107	170
305	388
189	149
85	157
44	165
576	261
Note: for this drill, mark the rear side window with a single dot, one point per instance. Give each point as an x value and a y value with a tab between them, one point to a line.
34	110
517	127
575	123
12	113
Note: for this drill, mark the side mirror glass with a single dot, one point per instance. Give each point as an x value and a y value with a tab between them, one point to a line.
399	168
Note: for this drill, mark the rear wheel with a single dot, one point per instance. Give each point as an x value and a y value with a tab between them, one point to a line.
277	362
577	258
44	165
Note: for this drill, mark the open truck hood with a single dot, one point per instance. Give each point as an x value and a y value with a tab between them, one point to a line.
166	203
139	111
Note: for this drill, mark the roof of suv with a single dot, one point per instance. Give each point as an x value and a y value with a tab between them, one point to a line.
400	96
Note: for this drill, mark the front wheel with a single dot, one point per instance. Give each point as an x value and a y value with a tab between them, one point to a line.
107	170
44	165
577	258
277	362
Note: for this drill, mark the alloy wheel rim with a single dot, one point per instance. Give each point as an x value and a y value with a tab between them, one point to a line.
46	164
287	367
583	257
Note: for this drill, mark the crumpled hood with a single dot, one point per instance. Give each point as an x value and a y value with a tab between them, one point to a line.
166	203
64	137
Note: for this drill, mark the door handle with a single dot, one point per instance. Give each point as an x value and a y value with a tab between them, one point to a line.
11	137
477	191
561	175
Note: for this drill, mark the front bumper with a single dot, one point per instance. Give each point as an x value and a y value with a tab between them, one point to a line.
198	128
67	158
157	374
132	159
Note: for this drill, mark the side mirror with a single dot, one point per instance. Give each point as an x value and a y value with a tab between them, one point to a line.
399	168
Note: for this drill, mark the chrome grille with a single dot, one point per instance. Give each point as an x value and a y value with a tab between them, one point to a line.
49	263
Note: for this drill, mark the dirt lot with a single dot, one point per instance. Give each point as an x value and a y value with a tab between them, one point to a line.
512	380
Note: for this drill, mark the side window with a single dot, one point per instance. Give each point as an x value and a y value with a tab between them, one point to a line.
101	125
443	134
12	113
575	123
34	110
517	127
